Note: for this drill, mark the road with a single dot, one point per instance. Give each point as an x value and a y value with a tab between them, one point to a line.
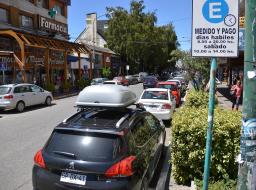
22	134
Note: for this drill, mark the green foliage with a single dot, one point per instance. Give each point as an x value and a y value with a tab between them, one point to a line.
226	184
66	86
193	65
106	72
50	87
134	35
82	83
198	99
188	144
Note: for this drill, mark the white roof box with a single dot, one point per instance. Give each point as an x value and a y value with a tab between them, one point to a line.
106	96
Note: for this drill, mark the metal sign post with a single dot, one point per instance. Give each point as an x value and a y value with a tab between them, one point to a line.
214	34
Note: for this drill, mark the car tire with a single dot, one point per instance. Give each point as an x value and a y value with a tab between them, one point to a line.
20	106
48	101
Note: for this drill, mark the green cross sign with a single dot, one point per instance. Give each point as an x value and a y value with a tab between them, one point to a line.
52	12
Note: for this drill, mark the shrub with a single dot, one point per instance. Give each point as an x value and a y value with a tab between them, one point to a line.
82	83
198	99
50	87
188	144
226	184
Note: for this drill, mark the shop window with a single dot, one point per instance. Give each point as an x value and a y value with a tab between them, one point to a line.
26	21
3	15
43	3
59	8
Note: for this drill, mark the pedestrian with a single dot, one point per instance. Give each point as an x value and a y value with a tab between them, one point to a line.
236	92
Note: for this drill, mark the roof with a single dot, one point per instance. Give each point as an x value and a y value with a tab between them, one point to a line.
38	41
156	89
167	82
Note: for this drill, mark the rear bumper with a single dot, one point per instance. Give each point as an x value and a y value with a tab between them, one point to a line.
45	180
6	105
163	115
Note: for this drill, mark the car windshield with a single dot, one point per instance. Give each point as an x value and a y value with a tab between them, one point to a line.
156	95
167	86
86	146
4	90
146	80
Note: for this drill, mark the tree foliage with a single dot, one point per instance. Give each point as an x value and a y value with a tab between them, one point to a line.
135	37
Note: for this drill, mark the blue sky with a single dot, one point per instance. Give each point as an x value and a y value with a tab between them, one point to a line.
179	12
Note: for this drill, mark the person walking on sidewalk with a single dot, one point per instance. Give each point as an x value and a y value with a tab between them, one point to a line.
237	92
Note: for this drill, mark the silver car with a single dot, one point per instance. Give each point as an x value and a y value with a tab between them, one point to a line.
19	96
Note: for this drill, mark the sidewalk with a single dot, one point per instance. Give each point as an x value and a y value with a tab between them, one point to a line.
224	98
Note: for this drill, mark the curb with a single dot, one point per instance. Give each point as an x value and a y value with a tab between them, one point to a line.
65	96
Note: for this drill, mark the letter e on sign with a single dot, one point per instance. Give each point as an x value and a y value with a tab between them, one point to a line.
215	8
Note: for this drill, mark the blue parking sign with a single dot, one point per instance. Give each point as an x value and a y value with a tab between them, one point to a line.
3	67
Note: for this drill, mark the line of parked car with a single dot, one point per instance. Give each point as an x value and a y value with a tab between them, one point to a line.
161	98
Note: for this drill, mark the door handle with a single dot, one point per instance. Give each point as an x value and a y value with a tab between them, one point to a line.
22	95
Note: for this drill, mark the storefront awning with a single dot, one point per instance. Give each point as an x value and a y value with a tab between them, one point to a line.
46	42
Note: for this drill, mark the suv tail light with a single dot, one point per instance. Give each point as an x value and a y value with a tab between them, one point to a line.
39	160
122	168
166	106
8	97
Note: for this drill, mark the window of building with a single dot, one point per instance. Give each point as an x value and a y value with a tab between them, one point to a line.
3	15
26	21
43	3
59	8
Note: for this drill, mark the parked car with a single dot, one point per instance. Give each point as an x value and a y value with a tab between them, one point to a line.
100	149
122	80
142	75
150	82
182	86
112	82
97	81
159	102
131	79
19	96
173	86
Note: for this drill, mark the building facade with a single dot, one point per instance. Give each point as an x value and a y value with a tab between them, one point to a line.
93	37
34	44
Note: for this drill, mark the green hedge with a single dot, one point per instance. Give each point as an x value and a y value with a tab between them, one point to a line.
189	127
198	99
218	185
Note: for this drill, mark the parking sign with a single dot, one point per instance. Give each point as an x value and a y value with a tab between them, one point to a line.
215	28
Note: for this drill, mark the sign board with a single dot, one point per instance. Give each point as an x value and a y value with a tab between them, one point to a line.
52	25
241	39
3	67
215	28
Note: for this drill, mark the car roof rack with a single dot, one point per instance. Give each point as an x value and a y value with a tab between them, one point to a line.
106	96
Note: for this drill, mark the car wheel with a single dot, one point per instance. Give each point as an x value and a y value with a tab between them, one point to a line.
48	101
20	106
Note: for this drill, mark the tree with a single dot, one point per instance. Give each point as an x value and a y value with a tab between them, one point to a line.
135	37
197	68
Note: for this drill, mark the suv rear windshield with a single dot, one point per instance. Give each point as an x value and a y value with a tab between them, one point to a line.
86	146
4	90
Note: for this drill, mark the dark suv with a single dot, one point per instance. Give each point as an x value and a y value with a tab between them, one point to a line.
101	149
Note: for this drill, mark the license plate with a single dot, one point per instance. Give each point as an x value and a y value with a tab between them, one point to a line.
73	178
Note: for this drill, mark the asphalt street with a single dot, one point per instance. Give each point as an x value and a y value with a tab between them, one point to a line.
23	134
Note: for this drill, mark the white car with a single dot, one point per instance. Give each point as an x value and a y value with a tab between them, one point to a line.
158	101
19	96
112	82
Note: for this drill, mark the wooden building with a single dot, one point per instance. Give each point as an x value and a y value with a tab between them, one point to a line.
34	42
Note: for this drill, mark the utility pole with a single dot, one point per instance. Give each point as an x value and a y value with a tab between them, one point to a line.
247	162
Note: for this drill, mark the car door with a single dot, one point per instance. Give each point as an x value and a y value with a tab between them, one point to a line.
23	93
38	96
144	146
157	137
172	101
